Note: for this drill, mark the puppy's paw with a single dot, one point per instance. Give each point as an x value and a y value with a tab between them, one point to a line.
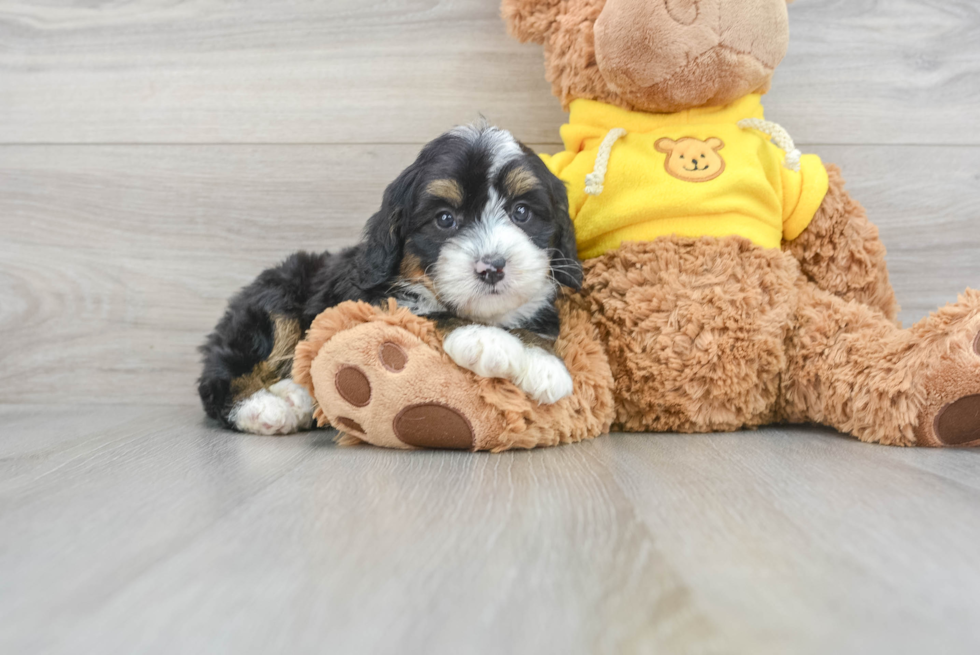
283	408
545	377
263	413
487	351
298	399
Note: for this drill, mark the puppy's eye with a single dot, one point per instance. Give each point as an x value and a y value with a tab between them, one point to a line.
521	213
446	221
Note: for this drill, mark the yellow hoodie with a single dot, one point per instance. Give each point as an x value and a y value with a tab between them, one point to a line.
694	173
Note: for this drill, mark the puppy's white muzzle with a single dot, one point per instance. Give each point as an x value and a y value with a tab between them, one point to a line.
491	272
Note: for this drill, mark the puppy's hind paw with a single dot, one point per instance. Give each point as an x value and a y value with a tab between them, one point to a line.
545	378
264	413
298	399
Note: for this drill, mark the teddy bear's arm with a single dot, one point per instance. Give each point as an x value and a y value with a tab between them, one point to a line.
841	252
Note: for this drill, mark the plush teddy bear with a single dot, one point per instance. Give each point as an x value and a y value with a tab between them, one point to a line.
730	281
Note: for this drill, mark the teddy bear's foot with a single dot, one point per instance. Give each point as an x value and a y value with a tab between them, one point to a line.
381	376
958	423
951	416
391	389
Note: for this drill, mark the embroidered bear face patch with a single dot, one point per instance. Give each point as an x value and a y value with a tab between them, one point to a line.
693	160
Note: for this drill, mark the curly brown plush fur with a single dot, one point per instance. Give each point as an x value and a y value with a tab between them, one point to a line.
841	252
853	369
695	331
718	334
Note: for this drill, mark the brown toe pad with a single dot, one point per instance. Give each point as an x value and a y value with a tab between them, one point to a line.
958	424
350	425
431	425
393	357
353	386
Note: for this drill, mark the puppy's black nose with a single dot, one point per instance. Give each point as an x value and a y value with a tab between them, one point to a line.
491	269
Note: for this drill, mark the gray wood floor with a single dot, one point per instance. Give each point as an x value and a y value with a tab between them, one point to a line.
154	156
135	529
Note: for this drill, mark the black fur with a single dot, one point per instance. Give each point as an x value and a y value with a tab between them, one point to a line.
305	284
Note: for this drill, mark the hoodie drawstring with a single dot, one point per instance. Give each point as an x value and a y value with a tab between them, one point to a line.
779	136
595	179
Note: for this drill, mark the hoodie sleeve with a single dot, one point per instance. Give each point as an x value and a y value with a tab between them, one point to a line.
803	193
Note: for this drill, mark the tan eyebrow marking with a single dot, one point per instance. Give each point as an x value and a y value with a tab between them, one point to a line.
519	181
449	190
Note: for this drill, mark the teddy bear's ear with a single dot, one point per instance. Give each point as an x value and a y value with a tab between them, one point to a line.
530	20
715	143
665	145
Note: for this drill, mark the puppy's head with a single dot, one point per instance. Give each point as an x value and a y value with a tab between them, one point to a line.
479	226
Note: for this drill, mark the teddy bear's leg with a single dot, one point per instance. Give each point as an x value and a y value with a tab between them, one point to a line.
842	253
851	368
381	384
695	331
381	376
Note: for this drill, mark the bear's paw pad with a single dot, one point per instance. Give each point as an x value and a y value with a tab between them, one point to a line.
433	425
958	423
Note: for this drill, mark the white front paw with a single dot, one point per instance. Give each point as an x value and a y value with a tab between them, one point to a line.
545	377
487	351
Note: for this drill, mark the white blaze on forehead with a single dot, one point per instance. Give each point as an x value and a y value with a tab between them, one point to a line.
494	212
500	144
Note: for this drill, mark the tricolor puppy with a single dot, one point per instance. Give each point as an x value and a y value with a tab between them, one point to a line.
475	234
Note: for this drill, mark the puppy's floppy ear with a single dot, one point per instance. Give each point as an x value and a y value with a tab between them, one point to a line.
530	20
381	253
565	264
563	251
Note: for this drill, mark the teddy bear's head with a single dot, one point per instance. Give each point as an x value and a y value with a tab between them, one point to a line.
655	55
